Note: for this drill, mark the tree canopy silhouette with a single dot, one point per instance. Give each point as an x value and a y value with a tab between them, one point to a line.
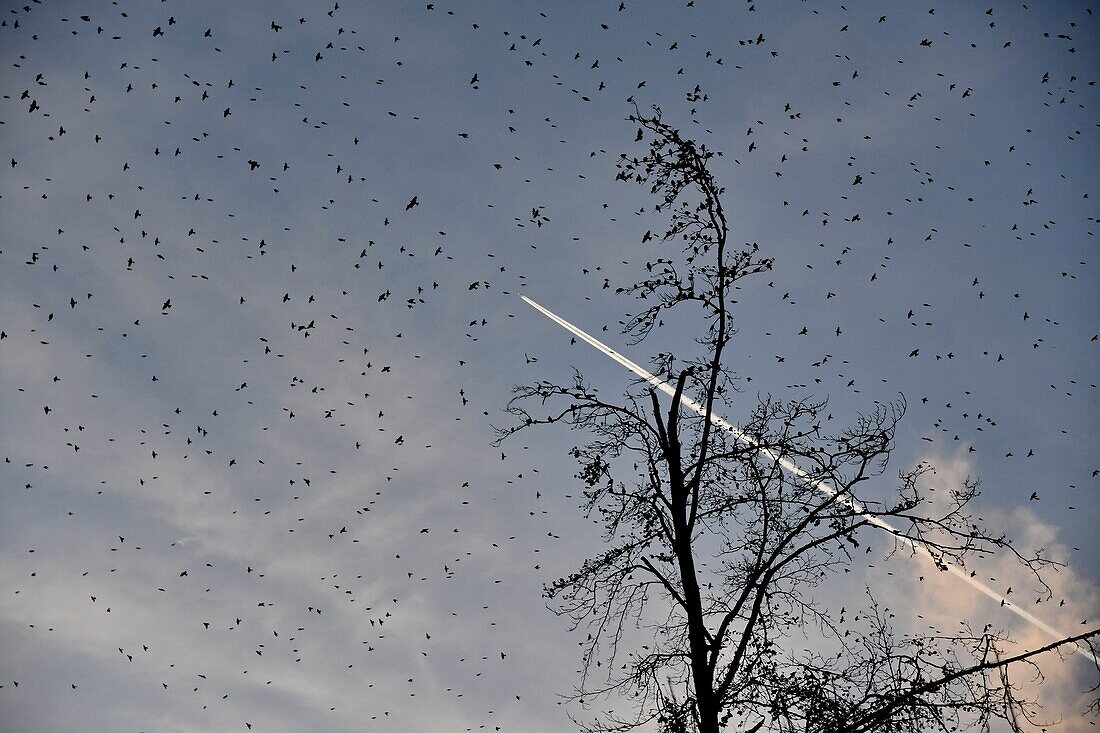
699	608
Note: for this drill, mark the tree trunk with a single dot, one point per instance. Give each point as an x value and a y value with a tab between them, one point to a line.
706	704
699	647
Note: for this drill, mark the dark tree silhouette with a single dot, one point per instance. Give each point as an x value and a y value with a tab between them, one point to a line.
714	550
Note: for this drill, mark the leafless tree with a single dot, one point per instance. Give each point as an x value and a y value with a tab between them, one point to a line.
714	551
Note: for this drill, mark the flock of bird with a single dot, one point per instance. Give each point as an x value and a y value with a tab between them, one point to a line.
259	310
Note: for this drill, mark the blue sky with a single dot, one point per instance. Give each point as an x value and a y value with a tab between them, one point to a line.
297	466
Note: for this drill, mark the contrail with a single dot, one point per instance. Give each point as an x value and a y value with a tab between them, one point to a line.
792	468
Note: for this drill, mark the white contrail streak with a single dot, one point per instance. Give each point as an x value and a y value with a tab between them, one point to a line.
793	469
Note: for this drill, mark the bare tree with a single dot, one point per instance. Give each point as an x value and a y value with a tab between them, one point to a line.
714	551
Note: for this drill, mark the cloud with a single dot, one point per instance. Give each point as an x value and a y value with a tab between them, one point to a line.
943	601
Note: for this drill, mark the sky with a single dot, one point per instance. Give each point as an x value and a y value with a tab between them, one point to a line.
260	270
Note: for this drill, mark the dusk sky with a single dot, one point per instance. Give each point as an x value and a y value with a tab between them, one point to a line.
260	270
